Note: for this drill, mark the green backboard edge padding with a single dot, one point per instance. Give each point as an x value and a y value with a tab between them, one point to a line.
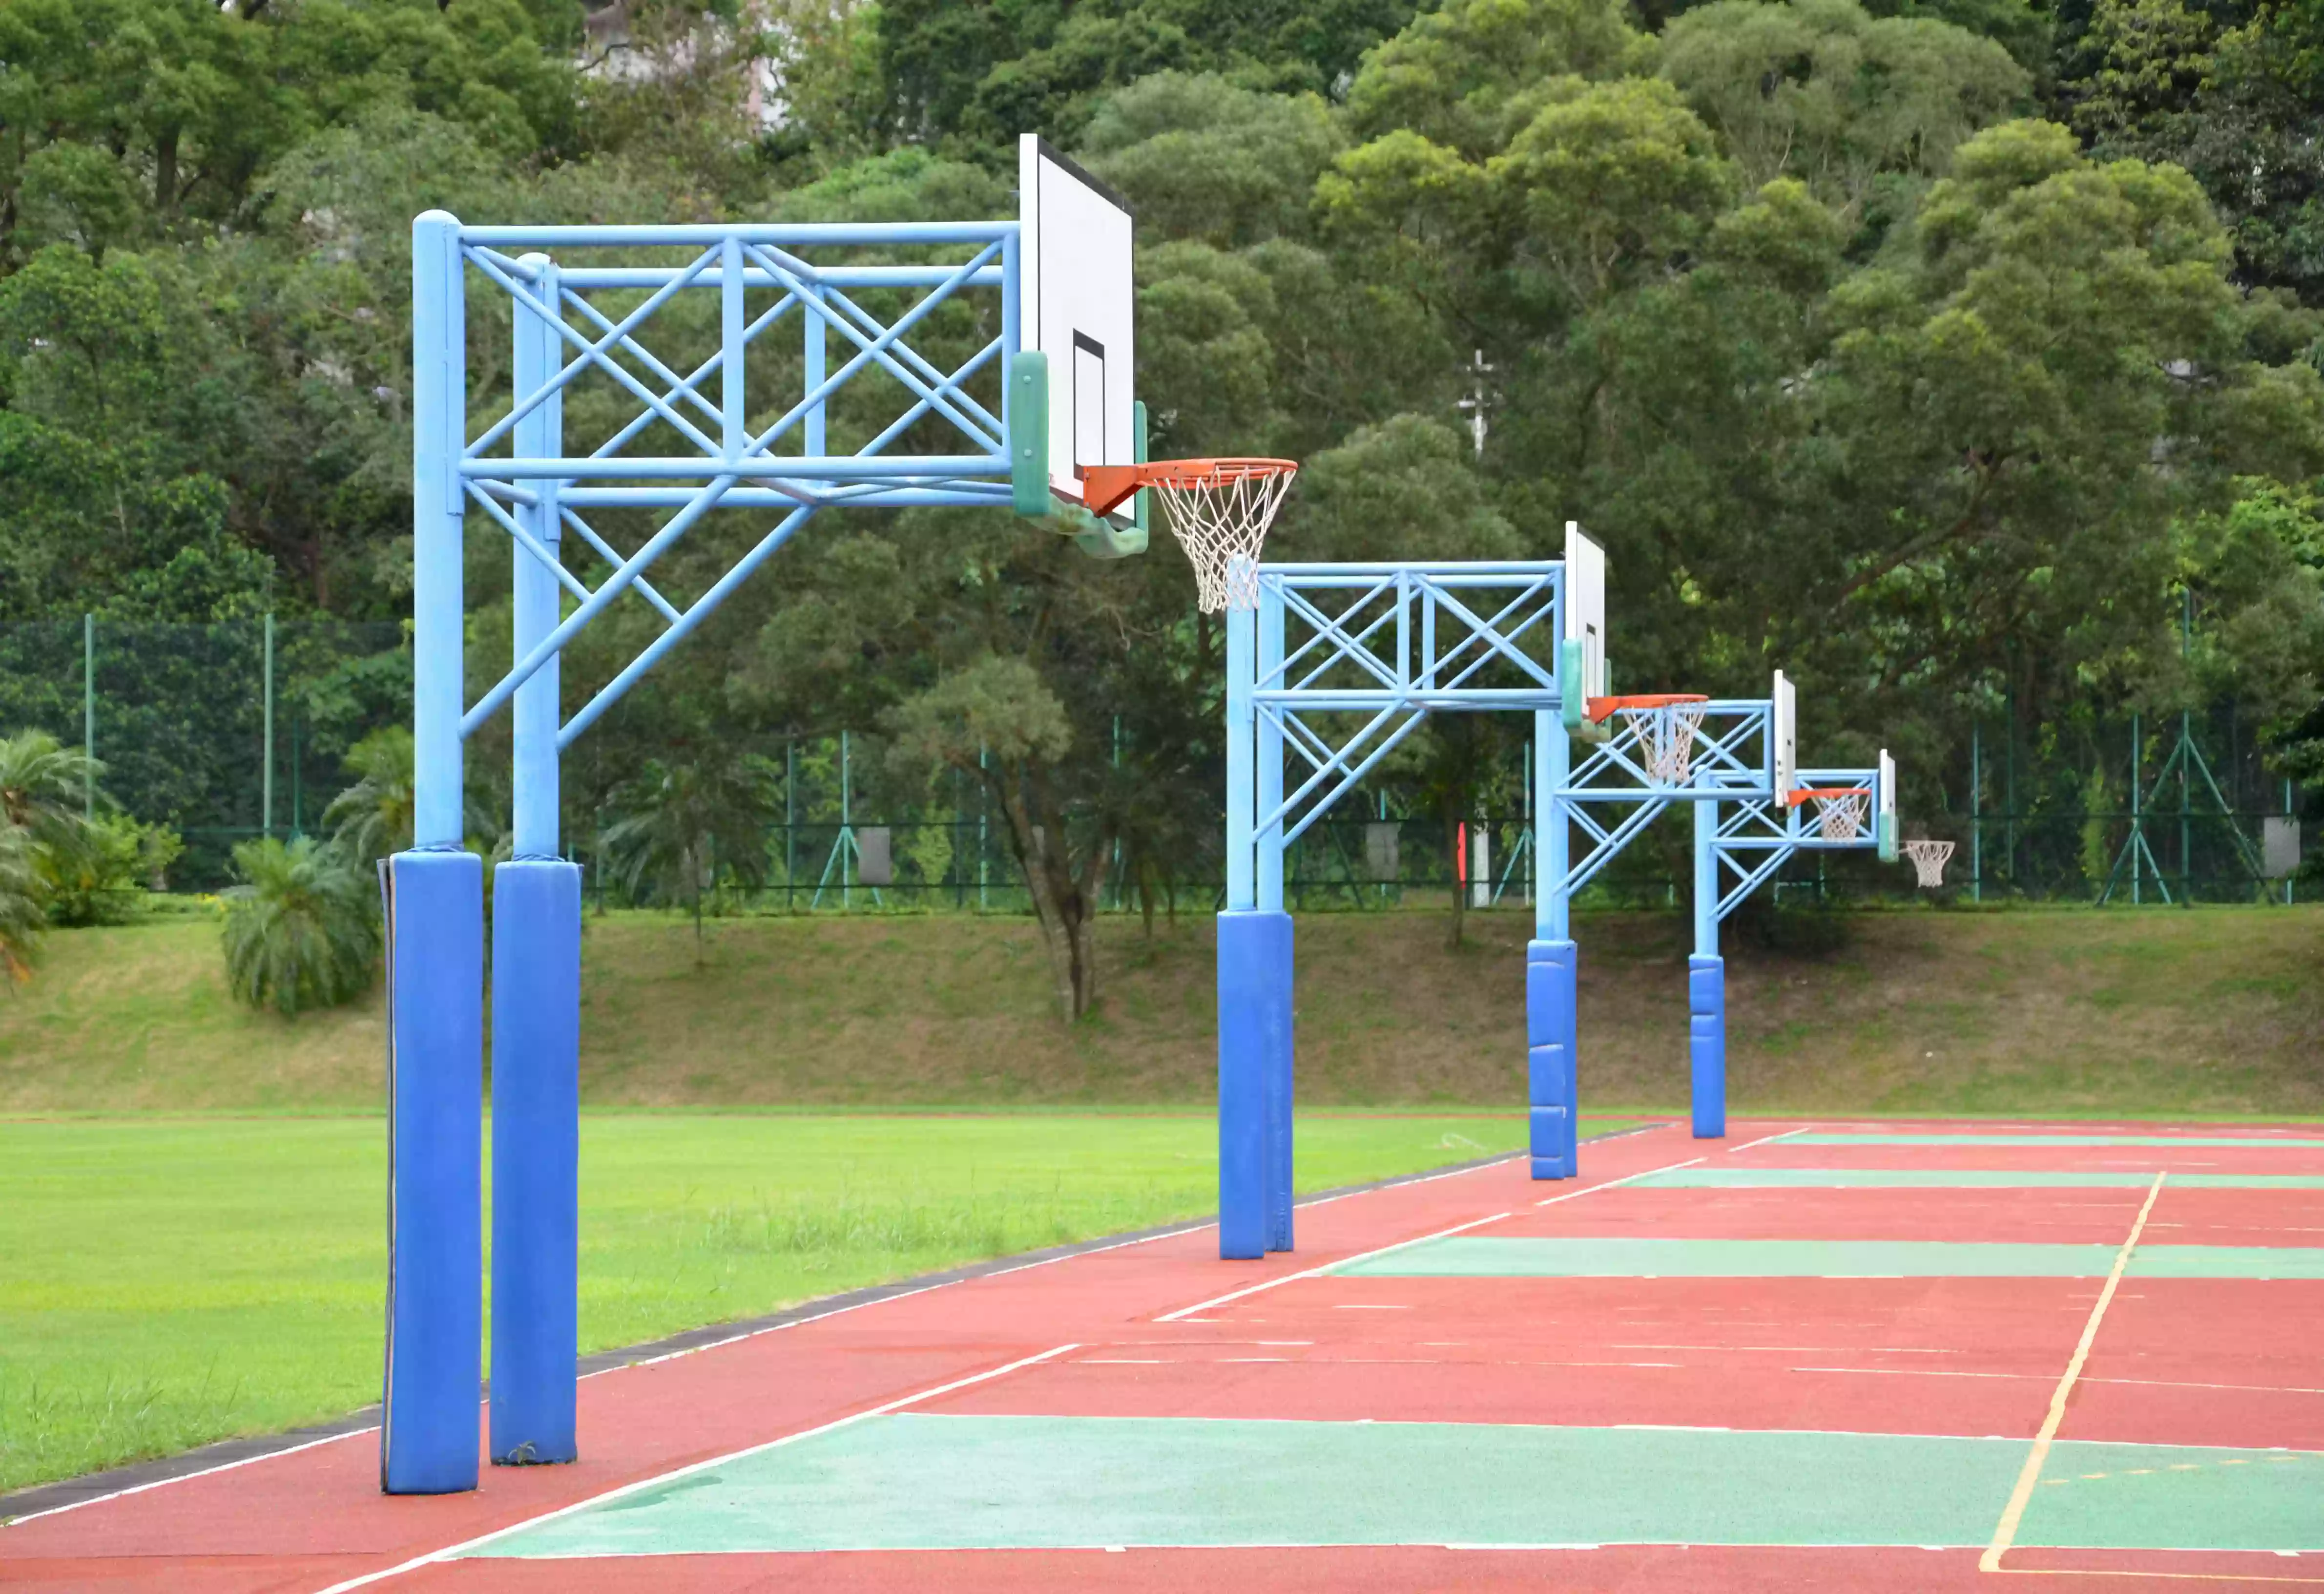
1100	538
1028	465
1028	432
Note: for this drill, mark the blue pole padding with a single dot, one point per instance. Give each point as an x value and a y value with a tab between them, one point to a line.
1706	1002
1550	1086
1253	1011
1281	1055
435	904
535	1156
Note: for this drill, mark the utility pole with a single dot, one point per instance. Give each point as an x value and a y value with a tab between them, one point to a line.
1478	396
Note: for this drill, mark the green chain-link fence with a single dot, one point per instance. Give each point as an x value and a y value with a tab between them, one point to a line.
233	730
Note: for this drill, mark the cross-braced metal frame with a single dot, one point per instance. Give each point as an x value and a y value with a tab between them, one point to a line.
1334	668
1743	837
773	369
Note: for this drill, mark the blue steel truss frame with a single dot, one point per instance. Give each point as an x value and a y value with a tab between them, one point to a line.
582	303
1336	666
1742	837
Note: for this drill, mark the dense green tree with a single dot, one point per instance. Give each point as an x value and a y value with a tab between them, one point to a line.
965	74
1852	374
681	828
1824	91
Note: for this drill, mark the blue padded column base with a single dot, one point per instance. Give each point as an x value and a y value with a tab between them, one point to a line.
1254	1024
536	1160
1706	1004
1282	1050
435	904
1551	1088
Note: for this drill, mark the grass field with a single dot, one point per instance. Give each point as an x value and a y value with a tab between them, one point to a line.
167	1283
2213	1011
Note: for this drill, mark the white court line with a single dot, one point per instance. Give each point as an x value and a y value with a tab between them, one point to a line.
1765	1139
2140	1383
1625	1179
1403	1183
2005	1532
1169	1317
450	1551
1366	1256
188	1476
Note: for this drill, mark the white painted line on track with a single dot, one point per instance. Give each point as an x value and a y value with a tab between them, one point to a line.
1314	1272
188	1476
1625	1179
1767	1139
1183	1312
448	1550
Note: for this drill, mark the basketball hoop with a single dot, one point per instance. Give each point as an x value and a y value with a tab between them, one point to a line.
1218	509
1664	723
1840	810
1929	861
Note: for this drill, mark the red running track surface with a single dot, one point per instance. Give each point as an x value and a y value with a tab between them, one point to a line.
1934	1355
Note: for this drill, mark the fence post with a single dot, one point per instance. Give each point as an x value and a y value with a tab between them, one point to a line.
88	714
1976	819
266	774
2009	789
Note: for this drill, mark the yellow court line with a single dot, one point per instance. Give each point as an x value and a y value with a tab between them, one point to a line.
2005	1532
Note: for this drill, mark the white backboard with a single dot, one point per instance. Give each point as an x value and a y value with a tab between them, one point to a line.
1585	607
2279	847
1784	739
1077	302
1885	822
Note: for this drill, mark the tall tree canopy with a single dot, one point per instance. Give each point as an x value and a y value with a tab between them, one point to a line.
1929	350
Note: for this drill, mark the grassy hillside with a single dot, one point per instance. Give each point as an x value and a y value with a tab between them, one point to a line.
2213	1010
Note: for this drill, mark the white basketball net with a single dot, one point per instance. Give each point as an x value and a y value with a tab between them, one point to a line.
1666	734
1220	514
1929	860
1840	816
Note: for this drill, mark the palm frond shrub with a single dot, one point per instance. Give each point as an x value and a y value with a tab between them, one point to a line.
302	929
22	912
374	817
106	880
46	791
45	786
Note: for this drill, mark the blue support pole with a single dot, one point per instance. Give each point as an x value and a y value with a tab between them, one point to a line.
535	1002
1280	1033
1246	961
434	902
536	1160
438	425
1706	984
1551	961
